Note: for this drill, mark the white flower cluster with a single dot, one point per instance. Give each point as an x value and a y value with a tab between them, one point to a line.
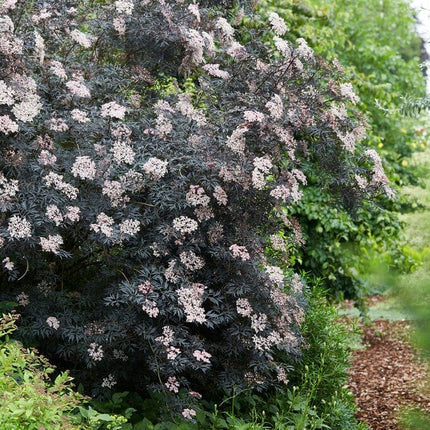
113	110
214	70
54	214
348	139
80	116
57	69
6	94
124	7
7	126
115	191
95	351
282	46
226	29
262	343
361	182
46	158
172	352
119	24
84	168
28	108
253	116
56	180
57	124
196	196
262	166
104	224
167	337
290	190
18	227
185	106
275	107
220	195
339	111
8	188
21	92
203	213
275	273
155	168
188	413
9	44
78	89
109	381
51	243
72	213
171	274
278	24
151	308
8	264
378	175
196	44
22	299
202	355
185	225
239	252
129	227
258	322
347	91
236	142
123	153
304	50
194	9
191	261
243	307
172	384
83	39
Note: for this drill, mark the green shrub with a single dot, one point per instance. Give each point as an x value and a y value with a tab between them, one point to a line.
321	376
28	398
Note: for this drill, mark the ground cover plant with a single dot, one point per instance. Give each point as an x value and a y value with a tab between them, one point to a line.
147	160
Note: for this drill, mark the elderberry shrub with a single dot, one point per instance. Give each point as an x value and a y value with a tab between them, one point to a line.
136	206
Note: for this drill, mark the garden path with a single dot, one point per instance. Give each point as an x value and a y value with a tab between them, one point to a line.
386	375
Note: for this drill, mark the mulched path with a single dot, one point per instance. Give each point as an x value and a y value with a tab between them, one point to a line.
386	375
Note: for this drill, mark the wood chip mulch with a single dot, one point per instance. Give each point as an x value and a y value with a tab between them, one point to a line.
386	376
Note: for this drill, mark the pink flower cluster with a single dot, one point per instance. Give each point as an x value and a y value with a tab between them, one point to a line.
191	299
239	252
53	323
202	355
196	196
191	261
172	384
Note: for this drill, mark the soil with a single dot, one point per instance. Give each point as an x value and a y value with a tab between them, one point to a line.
386	376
